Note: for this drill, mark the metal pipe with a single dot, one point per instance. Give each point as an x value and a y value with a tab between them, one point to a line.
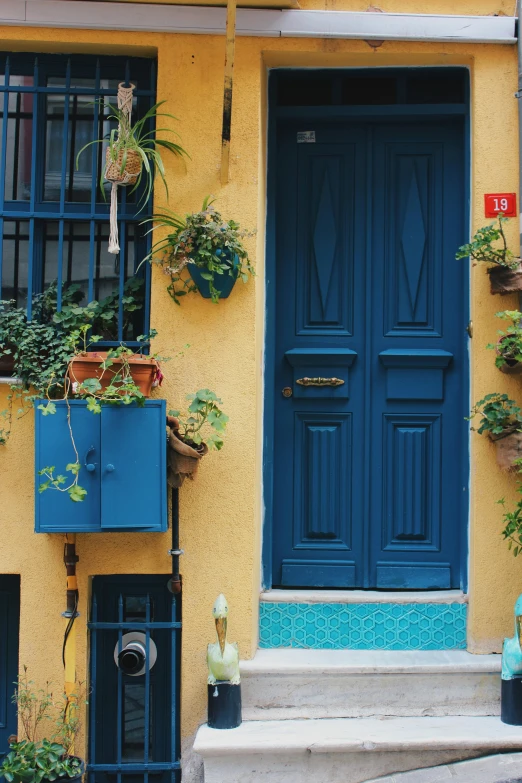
175	551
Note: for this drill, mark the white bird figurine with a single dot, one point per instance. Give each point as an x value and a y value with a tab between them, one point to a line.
222	657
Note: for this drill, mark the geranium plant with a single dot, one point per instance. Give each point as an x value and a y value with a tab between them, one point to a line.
482	247
213	245
498	414
204	421
509	345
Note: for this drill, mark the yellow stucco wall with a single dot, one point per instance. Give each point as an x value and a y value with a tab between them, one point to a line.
221	512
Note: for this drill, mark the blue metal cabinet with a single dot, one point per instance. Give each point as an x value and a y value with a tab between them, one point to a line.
122	453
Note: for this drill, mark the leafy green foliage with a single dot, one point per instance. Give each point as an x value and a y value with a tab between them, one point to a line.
139	138
205	239
499	413
509	345
204	422
28	762
482	249
42	347
49	727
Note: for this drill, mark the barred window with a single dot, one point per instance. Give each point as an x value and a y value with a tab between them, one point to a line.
54	215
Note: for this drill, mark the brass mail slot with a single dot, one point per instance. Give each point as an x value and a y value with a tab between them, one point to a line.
320	381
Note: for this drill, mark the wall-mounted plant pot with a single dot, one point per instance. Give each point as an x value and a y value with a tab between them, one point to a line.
511	366
509	449
6	366
503	280
223	283
183	457
143	369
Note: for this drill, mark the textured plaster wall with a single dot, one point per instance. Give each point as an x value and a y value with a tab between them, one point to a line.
221	512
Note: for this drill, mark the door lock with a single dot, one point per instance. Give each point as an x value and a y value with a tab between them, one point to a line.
287	391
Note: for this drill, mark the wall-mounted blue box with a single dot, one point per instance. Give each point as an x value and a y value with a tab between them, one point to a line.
122	453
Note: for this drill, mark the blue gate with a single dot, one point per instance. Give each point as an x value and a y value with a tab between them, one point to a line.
134	717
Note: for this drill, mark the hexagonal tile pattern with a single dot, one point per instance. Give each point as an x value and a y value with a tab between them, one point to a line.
363	626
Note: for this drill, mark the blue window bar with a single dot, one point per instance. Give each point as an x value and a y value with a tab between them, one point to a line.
54	217
134	719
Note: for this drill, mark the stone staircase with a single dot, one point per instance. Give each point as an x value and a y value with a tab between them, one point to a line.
345	716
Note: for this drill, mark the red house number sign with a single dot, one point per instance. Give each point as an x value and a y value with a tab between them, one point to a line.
500	202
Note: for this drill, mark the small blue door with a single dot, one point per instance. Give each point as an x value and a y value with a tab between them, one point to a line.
9	626
369	463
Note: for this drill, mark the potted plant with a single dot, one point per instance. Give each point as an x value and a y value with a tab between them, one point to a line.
39	349
49	729
133	149
202	252
505	274
509	345
191	435
501	419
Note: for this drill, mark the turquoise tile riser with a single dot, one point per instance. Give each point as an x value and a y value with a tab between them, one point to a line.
363	626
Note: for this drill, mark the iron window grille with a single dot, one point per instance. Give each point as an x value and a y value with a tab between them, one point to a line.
140	713
53	216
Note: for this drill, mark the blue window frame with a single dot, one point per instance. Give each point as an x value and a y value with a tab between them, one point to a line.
54	217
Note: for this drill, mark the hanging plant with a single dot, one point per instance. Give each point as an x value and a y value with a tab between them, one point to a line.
505	274
202	252
133	152
501	419
509	345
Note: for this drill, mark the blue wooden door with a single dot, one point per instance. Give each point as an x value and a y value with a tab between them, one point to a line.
9	625
370	457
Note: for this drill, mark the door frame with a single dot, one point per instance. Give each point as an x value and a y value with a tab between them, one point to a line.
360	113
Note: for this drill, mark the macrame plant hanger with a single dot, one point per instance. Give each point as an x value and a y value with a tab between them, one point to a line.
113	172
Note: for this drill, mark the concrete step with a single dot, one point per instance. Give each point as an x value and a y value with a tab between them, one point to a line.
346	750
285	684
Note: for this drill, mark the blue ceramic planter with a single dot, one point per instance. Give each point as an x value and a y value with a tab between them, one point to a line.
223	283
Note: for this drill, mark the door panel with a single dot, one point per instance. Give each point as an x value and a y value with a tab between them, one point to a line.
54	446
370	338
9	626
320	240
134	455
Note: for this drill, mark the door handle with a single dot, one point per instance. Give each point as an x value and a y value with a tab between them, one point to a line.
320	382
109	468
90	466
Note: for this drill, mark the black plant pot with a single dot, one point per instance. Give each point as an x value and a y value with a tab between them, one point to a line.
223	283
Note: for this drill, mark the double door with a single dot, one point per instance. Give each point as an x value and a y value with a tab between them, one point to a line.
370	393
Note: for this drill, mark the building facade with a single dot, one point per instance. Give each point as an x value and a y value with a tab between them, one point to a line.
359	167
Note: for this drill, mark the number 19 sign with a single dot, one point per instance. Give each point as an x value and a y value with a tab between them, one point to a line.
500	202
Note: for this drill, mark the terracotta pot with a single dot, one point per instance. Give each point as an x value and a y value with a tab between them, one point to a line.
6	366
131	172
183	457
509	448
505	281
143	369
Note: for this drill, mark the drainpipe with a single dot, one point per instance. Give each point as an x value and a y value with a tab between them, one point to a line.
174	584
70	558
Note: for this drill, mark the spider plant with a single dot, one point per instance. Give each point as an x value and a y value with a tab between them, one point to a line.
139	138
